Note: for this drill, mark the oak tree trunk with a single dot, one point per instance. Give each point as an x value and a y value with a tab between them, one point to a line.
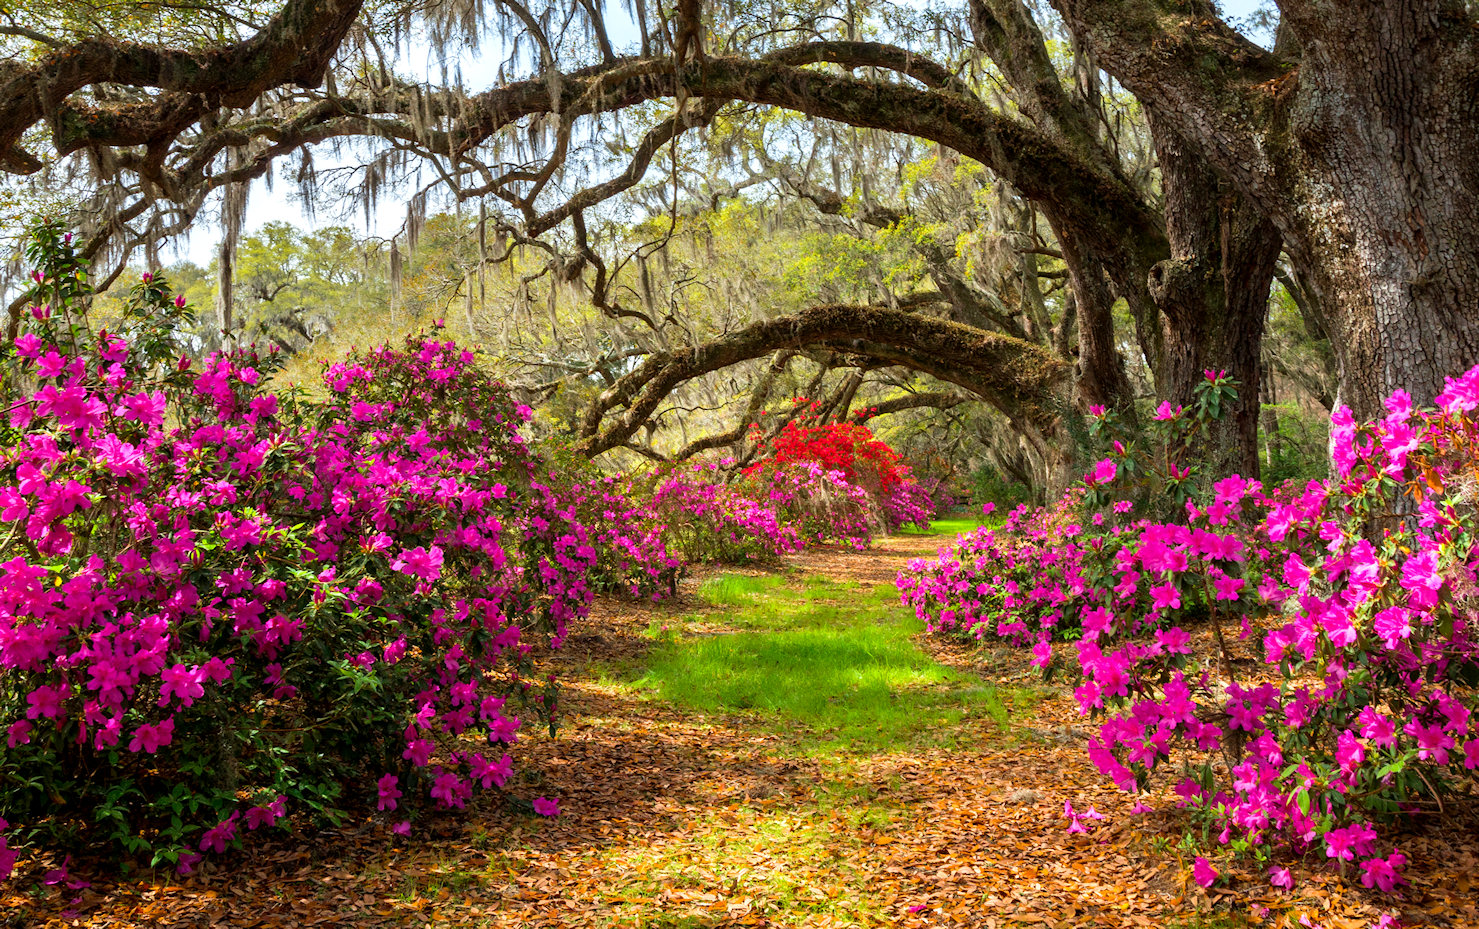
1357	136
1213	296
1383	166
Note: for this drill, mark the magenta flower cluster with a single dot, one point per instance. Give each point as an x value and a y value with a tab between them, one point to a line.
819	501
710	514
632	557
221	607
909	503
707	519
1357	594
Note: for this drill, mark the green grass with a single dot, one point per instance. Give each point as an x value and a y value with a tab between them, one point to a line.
823	668
737	589
823	663
950	527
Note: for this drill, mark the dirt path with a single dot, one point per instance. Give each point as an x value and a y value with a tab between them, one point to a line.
673	818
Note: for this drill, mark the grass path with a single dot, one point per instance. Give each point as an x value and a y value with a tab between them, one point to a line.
783	752
775	748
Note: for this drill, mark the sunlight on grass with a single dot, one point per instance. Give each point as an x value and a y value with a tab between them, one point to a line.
949	528
827	664
737	589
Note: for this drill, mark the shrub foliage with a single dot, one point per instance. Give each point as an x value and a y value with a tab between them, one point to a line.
1357	593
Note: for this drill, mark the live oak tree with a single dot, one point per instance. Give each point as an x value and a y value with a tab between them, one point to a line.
1357	136
1251	149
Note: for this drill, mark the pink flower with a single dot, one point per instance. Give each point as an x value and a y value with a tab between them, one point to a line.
266	815
1175	641
1165	596
450	790
419	562
184	683
1228	588
28	346
112	348
1384	874
218	670
1042	654
61	876
1165	411
1460	394
1103	472
1203	872
219	836
418	751
151	738
546	807
389	791
1379	729
19	733
50	365
1346	843
1348	751
144	408
45	701
1432	742
490	773
1421	580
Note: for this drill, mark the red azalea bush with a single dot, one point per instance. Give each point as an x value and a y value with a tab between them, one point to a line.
850	448
859	458
221	608
1358	594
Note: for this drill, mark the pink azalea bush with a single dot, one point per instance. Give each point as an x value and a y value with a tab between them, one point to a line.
764	514
221	608
909	503
631	556
708	520
1356	594
821	502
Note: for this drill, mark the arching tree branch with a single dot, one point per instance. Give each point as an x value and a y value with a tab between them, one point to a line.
294	47
1017	377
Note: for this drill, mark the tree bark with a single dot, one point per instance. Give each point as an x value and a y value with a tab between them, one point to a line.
1213	296
1358	138
1385	150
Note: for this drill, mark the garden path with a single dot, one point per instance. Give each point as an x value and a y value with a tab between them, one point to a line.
774	748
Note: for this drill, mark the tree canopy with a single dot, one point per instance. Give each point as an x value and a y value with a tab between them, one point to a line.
1107	189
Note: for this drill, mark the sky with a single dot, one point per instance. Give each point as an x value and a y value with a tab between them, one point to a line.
278	204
